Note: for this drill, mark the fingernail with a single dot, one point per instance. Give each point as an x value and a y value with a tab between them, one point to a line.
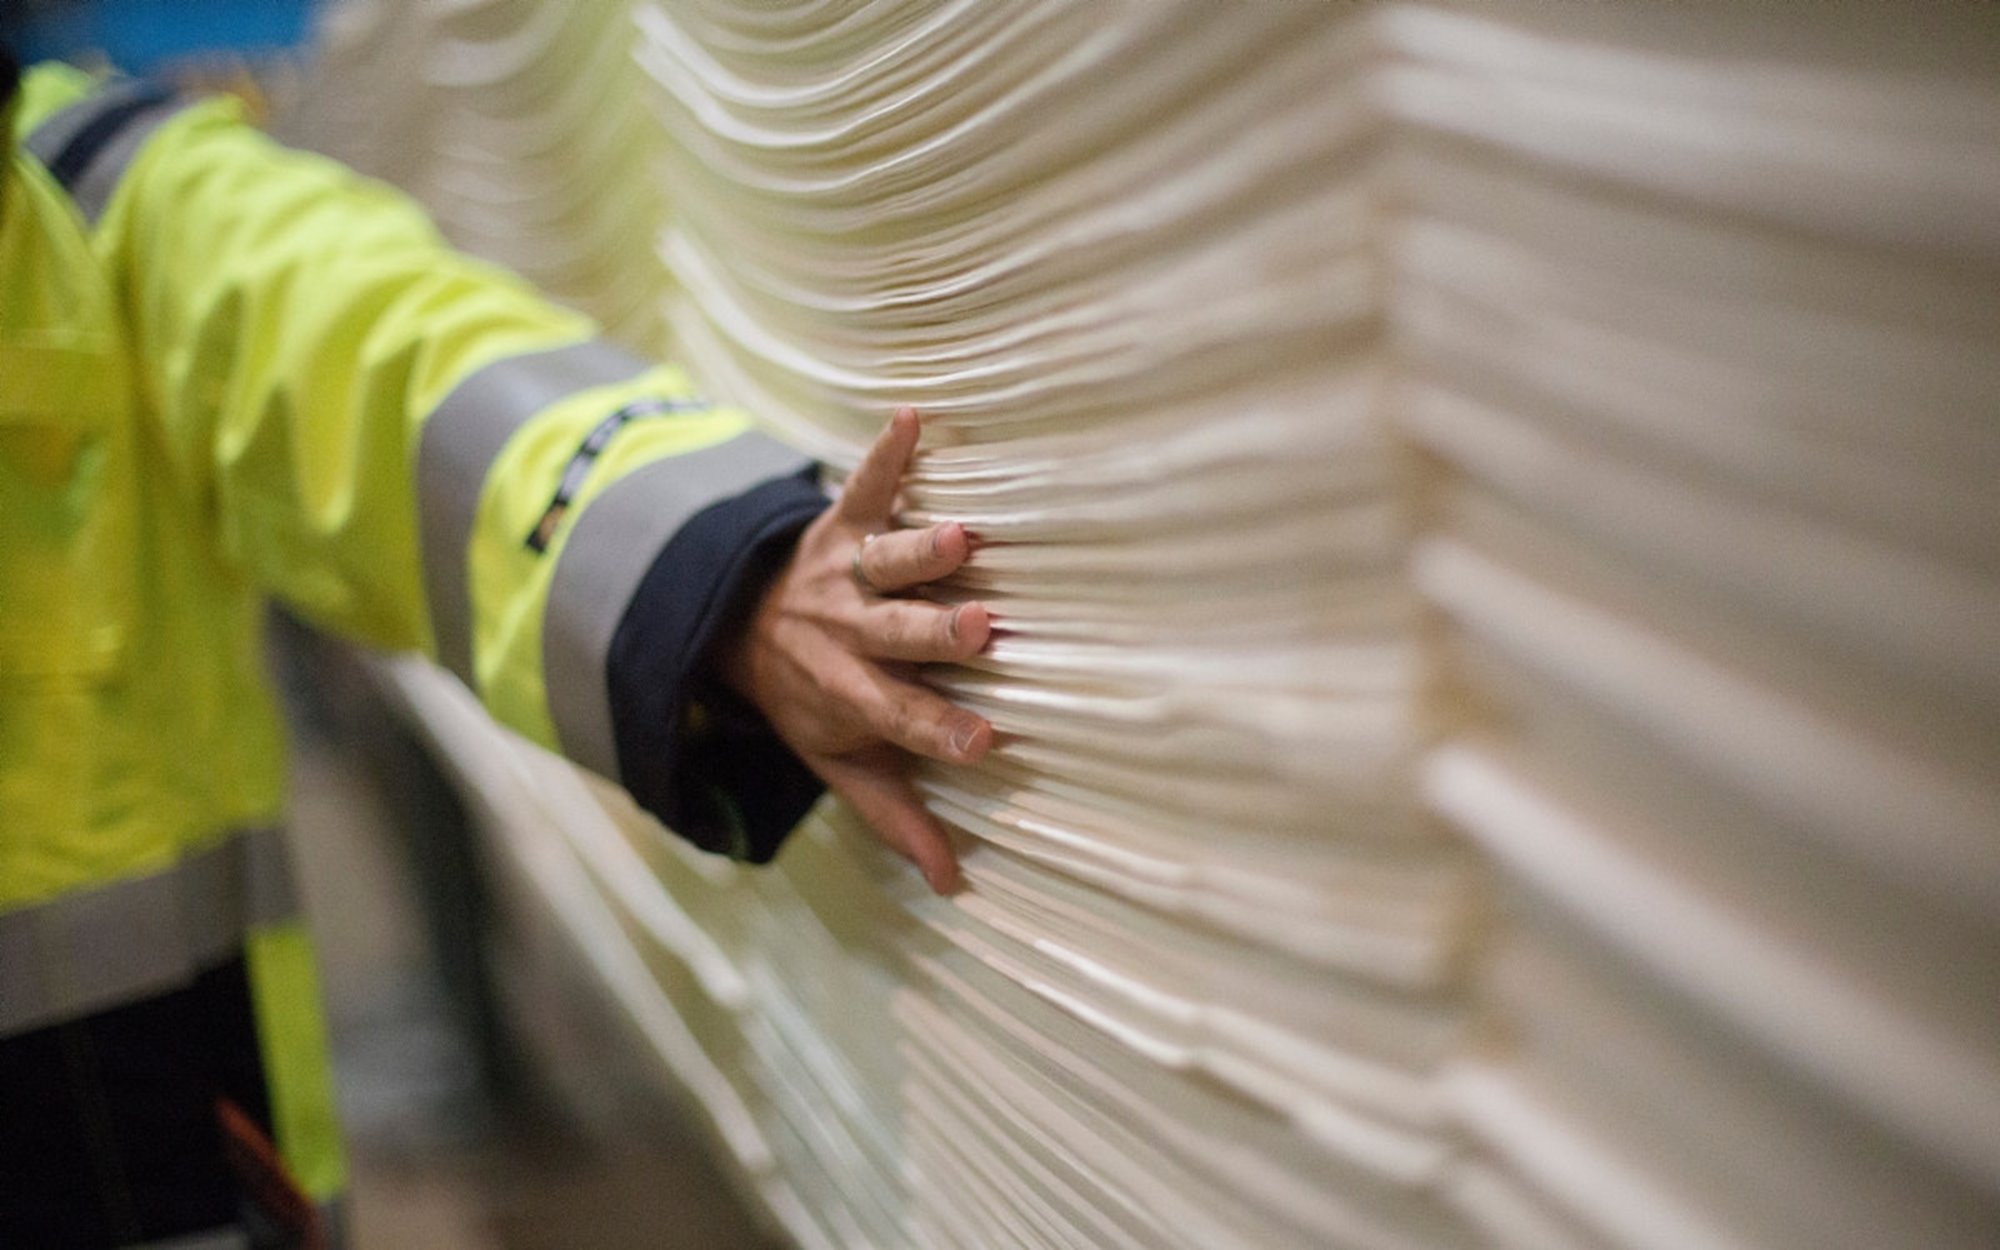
951	623
961	737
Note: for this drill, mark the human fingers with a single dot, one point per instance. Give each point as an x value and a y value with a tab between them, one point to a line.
875	785
914	718
870	493
906	558
923	632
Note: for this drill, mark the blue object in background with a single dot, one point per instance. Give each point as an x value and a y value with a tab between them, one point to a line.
138	36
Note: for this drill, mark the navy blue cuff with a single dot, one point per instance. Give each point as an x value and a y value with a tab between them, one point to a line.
701	760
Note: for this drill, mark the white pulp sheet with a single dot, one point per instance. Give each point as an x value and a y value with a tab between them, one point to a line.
1491	510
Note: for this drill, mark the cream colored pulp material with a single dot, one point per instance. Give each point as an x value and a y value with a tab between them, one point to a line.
1493	519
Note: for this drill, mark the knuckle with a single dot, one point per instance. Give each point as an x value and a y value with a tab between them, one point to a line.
919	556
905	725
889	561
923	732
837	685
903	631
881	715
895	626
882	630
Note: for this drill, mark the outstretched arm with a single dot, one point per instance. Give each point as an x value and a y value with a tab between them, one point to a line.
414	449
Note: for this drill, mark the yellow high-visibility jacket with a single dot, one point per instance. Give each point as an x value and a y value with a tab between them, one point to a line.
229	371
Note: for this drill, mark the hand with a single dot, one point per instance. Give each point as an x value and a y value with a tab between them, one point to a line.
831	663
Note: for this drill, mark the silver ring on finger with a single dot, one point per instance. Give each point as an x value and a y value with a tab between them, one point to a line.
861	574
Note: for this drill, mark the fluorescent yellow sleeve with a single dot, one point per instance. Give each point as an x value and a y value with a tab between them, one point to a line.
297	324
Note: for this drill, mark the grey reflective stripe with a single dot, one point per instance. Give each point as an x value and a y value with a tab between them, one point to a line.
131	939
609	550
461	440
92	188
333	1223
65	124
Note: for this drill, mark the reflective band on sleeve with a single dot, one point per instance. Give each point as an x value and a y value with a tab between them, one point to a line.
93	949
298	1070
461	439
89	145
609	551
333	1219
578	468
61	128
